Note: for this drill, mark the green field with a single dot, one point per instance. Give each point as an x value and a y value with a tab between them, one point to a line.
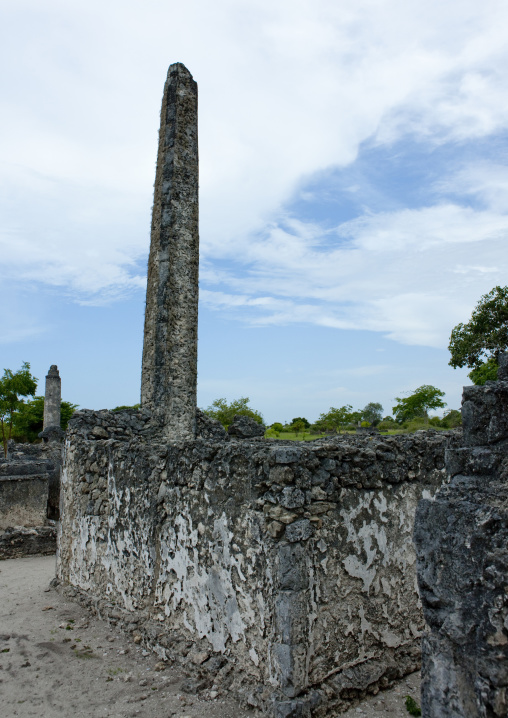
291	436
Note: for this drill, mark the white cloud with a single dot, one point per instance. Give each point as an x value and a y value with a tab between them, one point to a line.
412	274
286	89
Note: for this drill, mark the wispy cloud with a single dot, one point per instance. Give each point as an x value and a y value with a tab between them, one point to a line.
287	90
411	274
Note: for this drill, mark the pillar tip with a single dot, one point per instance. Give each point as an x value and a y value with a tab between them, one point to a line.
178	68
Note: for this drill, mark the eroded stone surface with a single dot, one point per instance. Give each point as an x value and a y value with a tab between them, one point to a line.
169	370
29	480
311	605
462	547
52	398
18	541
245	427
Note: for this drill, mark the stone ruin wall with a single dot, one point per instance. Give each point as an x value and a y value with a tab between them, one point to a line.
462	545
30	484
28	478
286	573
293	563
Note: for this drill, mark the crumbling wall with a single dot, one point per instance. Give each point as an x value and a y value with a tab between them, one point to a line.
462	545
295	561
26	480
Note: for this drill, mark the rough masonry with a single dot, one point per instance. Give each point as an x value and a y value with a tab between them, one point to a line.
289	566
26	525
52	398
169	371
462	545
52	436
283	571
30	484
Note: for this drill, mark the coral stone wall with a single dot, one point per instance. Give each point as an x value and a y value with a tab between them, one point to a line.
29	487
462	545
294	561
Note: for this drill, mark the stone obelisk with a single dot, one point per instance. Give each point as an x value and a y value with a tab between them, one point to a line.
52	399
169	371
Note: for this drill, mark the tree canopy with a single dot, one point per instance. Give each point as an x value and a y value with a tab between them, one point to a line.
478	343
298	426
372	412
225	412
29	418
301	418
418	403
335	418
13	387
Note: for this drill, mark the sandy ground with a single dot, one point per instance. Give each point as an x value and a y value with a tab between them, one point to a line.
55	660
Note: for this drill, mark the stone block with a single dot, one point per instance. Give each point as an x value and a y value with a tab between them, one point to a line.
23	500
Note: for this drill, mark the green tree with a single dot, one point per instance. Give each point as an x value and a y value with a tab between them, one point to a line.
277	427
334	419
372	412
225	413
486	372
14	386
417	404
29	418
301	418
478	343
355	417
298	426
451	419
387	424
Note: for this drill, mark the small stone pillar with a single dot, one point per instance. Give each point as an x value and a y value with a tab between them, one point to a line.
169	370
52	398
52	436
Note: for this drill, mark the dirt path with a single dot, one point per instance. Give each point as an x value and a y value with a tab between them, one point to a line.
56	661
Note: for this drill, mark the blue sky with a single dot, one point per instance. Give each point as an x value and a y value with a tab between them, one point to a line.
353	190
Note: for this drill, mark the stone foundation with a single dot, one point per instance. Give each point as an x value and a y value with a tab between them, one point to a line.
19	541
29	495
292	563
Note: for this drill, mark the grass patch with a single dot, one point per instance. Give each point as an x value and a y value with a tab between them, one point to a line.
412	707
85	652
291	436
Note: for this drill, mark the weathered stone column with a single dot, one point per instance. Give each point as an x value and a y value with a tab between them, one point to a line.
52	398
169	371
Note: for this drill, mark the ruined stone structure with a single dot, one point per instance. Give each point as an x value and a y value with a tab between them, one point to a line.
283	571
462	546
52	399
169	372
289	563
52	436
25	479
30	484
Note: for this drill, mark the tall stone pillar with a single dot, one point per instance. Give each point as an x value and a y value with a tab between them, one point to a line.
52	398
169	371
